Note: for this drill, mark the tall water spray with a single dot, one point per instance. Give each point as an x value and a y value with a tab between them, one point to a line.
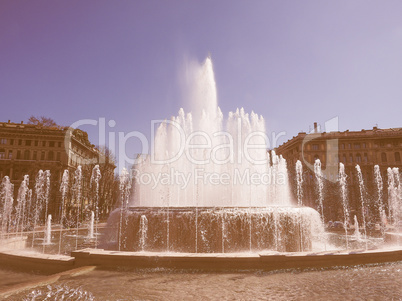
95	178
77	190
200	160
345	203
394	197
64	191
7	191
48	231
125	188
21	204
42	188
299	179
362	199
379	201
320	185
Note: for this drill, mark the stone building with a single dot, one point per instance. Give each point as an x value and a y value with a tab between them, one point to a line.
366	148
26	148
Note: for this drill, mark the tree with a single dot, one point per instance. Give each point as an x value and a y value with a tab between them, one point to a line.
44	122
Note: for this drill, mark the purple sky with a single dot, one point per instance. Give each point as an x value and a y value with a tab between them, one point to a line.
294	62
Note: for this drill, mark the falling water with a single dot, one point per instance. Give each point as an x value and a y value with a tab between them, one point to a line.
342	182
21	204
175	152
379	202
299	179
40	196
357	230
361	187
48	231
77	189
7	191
319	176
63	190
95	178
143	232
125	187
397	200
91	226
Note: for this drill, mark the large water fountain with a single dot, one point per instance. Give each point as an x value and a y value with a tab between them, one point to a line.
209	185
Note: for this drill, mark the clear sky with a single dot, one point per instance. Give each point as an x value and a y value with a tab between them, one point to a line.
294	62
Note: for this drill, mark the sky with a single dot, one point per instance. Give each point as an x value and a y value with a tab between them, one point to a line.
293	62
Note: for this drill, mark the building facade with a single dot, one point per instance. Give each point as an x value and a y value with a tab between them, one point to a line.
26	148
366	148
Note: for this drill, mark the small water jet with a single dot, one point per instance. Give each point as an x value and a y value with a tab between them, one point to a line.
48	231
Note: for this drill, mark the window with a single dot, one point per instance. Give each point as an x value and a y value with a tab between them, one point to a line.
364	145
50	156
397	157
35	155
51	143
19	142
357	146
315	146
42	156
2	154
349	145
18	155
344	159
36	142
343	146
28	142
58	156
3	141
316	157
365	158
59	144
26	155
43	143
383	157
10	154
351	158
358	158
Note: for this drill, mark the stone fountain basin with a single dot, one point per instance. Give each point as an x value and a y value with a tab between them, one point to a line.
267	261
234	261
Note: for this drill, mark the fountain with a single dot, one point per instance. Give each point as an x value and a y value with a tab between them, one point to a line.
48	231
209	185
209	195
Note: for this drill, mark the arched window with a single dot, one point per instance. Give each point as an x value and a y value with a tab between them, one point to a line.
383	157
50	156
397	157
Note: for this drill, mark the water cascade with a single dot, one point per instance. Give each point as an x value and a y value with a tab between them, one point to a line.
379	201
91	226
48	231
345	205
7	191
77	191
64	191
95	178
357	230
362	192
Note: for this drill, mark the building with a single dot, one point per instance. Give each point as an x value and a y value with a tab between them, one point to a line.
366	148
26	148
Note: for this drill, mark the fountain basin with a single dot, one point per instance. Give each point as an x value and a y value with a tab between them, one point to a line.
234	261
213	229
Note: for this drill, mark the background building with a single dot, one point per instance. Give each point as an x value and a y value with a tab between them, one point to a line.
27	148
366	148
